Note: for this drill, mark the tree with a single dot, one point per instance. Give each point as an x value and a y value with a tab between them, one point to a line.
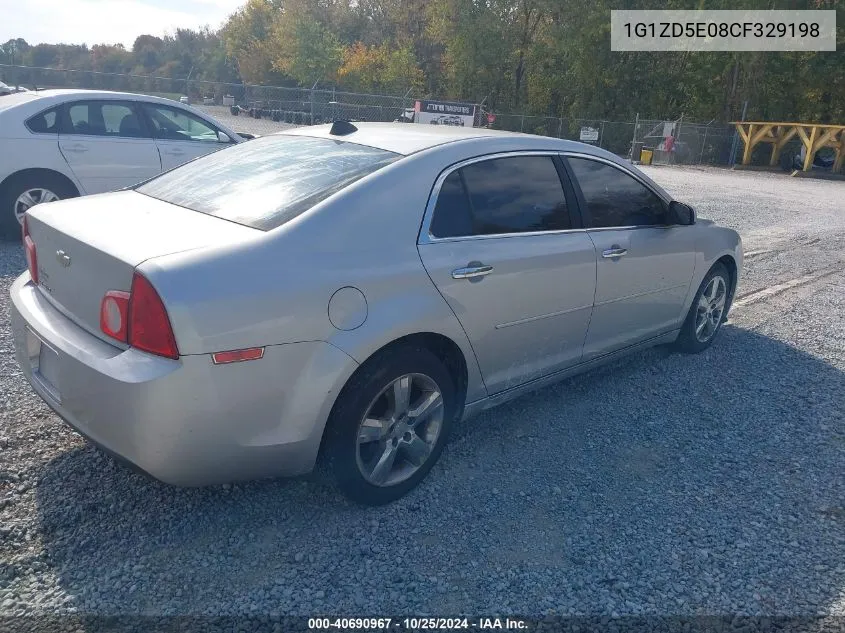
305	49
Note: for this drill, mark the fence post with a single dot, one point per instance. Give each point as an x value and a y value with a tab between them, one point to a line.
703	144
634	138
404	107
732	160
314	87
560	128
522	123
601	132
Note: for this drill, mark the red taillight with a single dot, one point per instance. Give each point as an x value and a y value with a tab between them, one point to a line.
149	326
114	315
29	248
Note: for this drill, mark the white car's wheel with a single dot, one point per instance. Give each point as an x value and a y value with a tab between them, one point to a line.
20	193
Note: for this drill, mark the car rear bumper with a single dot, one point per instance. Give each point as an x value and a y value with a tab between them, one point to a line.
186	422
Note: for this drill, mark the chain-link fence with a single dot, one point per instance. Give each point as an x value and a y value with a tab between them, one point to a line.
262	110
247	108
692	143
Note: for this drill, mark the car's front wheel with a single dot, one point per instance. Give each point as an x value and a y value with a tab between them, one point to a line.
390	423
707	312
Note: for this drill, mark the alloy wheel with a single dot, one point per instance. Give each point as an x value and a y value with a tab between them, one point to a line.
399	430
711	308
30	198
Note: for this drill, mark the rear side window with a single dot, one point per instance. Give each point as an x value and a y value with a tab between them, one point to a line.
452	216
503	195
46	122
103	118
268	181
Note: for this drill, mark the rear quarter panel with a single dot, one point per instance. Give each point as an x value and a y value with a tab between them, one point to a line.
277	288
21	149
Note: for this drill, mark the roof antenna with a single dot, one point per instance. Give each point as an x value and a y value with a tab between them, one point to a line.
342	128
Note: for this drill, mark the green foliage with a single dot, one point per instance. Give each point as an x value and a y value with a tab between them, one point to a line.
539	57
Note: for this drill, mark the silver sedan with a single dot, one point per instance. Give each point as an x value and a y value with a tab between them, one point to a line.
346	293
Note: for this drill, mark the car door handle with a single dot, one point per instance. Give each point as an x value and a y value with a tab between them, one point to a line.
74	148
612	253
470	272
175	152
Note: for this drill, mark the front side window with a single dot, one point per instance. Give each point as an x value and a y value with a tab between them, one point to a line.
103	118
614	198
517	194
172	124
267	181
46	122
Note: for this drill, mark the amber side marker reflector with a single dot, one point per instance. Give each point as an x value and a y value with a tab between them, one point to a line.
237	355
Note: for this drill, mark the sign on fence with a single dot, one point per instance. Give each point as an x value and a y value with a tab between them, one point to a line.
445	113
589	134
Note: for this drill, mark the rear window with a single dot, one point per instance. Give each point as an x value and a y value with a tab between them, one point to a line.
268	181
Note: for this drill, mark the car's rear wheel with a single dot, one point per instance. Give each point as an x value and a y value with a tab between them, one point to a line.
707	312
389	425
20	193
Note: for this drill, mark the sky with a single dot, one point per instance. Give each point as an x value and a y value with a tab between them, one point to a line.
106	21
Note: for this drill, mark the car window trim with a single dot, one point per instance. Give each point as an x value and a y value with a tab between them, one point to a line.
65	123
582	202
425	236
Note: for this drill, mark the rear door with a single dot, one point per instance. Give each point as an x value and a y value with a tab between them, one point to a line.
107	145
180	135
501	244
644	265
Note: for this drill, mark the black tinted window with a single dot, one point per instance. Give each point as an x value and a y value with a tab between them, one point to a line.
268	181
614	198
452	216
510	195
44	122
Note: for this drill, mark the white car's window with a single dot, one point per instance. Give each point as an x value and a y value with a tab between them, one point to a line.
504	195
615	199
172	124
103	118
46	122
265	182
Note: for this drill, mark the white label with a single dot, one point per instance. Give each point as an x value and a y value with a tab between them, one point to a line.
723	30
589	134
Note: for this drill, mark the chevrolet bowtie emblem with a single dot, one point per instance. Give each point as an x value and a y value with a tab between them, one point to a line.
64	258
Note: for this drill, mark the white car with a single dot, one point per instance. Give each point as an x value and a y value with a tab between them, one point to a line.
8	90
66	143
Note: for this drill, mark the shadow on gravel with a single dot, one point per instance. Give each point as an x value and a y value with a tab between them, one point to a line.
704	484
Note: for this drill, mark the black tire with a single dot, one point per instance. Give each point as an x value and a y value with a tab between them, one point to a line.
690	343
15	185
341	448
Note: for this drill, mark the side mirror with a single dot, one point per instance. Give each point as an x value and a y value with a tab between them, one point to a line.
223	137
680	213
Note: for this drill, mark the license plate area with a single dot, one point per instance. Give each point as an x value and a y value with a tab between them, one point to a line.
44	362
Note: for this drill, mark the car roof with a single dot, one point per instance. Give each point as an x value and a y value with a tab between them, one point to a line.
410	138
60	95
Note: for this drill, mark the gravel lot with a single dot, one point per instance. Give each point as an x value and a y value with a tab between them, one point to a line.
664	484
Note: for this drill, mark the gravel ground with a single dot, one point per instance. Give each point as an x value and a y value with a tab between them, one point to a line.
663	484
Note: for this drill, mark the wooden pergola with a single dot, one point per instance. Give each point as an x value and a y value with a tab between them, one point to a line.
813	136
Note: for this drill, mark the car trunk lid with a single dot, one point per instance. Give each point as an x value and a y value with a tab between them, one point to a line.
88	246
